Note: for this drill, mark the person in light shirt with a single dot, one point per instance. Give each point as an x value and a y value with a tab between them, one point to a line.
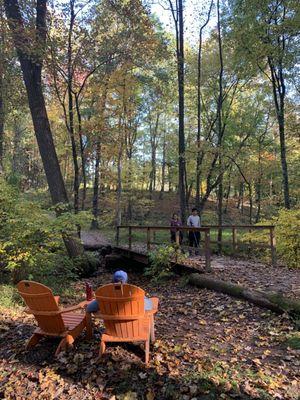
194	237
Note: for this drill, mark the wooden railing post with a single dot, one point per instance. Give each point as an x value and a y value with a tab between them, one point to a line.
148	239
272	245
207	251
129	237
234	242
118	236
177	237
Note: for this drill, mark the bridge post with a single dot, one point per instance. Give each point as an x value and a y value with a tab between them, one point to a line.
148	239
207	251
177	237
234	243
129	237
118	236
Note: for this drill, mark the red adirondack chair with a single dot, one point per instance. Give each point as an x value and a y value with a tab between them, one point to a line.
52	321
125	319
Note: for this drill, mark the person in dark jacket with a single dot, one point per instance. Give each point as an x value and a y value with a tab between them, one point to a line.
175	222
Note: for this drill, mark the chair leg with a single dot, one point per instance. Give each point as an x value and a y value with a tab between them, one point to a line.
102	348
62	346
65	343
69	341
89	326
147	351
35	338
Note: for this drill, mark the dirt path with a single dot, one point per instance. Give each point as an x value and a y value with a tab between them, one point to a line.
209	346
256	275
248	273
94	238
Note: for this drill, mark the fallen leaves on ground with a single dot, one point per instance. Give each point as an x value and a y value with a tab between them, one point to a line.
209	346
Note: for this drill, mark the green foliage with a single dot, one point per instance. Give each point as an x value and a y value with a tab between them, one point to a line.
86	264
287	234
9	297
288	237
31	244
293	341
161	260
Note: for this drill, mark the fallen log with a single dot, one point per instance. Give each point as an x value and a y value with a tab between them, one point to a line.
271	300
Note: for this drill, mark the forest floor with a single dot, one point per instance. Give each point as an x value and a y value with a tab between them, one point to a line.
209	346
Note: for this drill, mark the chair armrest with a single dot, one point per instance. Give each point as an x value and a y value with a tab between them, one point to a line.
154	310
81	305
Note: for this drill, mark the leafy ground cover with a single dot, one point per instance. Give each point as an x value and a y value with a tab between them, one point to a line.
209	346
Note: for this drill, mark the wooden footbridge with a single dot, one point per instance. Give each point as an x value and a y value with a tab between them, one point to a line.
149	237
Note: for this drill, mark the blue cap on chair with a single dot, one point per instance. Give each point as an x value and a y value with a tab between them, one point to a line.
120	276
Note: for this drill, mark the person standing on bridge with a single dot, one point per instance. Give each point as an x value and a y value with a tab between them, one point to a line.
175	222
194	236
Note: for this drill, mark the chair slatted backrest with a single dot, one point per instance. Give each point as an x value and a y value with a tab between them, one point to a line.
39	298
122	309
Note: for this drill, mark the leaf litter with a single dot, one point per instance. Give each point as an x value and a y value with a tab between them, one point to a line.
209	346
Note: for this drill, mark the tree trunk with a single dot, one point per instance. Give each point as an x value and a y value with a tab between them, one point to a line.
199	152
153	139
2	69
71	109
163	169
220	213
240	203
279	92
181	141
32	69
220	130
270	300
119	178
1	118
82	151
119	189
170	178
94	224
258	184
177	13
250	202
227	195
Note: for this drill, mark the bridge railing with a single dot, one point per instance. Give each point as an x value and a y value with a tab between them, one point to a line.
270	229
152	229
207	230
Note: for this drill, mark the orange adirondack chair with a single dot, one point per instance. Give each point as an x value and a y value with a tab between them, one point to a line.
125	319
52	320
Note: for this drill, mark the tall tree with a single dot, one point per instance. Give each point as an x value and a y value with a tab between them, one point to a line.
220	127
30	50
267	35
2	79
177	14
199	108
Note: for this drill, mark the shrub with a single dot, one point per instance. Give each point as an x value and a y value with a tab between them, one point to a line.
287	231
161	260
31	244
287	234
